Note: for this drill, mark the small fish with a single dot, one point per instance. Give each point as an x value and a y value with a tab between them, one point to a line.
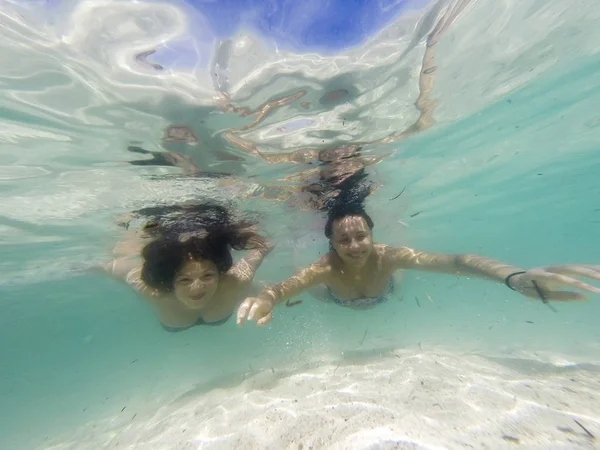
401	192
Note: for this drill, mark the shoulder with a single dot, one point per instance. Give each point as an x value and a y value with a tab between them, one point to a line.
395	255
326	261
323	266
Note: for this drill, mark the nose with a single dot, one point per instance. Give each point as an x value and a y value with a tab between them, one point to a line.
354	244
196	286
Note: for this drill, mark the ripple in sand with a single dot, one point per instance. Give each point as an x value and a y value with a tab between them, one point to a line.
405	399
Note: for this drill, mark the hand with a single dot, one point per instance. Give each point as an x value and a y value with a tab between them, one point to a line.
255	308
550	279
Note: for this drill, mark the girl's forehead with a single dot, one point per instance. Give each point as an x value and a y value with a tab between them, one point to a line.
349	224
195	265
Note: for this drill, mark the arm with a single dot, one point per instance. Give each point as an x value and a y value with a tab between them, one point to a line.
260	308
302	280
541	283
120	267
126	264
462	265
246	268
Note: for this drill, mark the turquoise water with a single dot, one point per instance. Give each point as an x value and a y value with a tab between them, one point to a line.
508	171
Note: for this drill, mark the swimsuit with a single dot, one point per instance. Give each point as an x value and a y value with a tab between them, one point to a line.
200	321
366	302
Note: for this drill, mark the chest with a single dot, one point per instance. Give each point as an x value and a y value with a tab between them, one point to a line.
366	284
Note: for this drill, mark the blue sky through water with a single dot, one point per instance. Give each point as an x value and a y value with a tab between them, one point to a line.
327	25
303	25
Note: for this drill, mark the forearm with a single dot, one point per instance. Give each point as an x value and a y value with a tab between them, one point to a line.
280	293
462	265
256	257
295	285
246	268
483	267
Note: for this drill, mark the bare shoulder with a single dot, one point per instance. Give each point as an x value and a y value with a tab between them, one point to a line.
316	272
395	255
324	263
320	270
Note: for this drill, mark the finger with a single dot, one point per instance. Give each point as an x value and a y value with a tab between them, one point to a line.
265	320
592	272
242	312
558	278
255	312
565	296
584	286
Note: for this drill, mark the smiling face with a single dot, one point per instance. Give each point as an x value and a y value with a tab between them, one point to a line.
352	240
196	283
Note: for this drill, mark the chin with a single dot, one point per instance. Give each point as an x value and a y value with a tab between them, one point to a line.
196	304
357	262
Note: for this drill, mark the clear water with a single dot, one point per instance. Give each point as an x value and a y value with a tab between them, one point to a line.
509	170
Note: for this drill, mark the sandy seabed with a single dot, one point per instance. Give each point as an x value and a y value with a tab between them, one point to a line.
397	399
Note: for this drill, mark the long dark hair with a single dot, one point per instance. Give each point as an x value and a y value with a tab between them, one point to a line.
205	230
349	198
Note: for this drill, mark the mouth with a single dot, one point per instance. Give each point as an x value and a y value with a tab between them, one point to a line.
357	255
197	297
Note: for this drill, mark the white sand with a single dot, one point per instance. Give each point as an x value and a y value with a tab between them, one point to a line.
407	399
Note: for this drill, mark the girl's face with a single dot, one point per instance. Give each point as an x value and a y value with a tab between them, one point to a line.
196	283
352	240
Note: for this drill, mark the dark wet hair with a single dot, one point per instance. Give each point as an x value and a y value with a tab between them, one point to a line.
200	231
349	202
347	210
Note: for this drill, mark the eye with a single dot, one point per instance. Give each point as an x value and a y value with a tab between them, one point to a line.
208	276
185	280
361	236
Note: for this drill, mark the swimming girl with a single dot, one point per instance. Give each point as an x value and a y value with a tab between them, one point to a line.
181	263
358	273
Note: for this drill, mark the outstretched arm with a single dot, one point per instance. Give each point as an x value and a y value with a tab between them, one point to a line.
541	283
260	308
466	265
